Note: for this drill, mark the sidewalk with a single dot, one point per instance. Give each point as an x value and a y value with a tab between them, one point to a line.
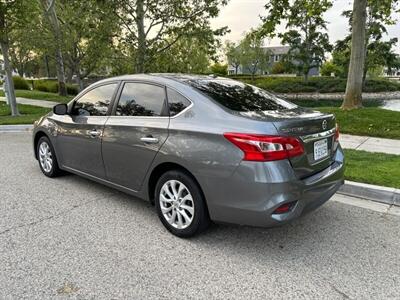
370	144
41	103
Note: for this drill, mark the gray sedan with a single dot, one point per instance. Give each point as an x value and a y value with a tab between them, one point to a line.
201	148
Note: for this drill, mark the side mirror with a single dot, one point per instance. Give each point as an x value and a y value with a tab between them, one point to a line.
60	109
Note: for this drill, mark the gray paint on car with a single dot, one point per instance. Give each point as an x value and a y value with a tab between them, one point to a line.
236	191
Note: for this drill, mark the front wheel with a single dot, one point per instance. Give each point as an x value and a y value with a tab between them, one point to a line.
180	204
47	158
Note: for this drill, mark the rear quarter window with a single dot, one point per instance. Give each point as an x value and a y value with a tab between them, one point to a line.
176	102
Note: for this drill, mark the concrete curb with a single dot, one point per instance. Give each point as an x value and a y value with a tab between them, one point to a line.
375	193
16	128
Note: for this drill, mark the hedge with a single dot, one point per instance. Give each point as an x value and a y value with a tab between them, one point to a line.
316	84
51	86
20	83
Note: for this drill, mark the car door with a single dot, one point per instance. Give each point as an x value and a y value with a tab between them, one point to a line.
79	133
135	131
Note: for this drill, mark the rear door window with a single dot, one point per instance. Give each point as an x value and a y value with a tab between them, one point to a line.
141	99
238	96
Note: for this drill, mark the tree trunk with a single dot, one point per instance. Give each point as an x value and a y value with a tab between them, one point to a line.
49	6
353	96
46	63
4	44
305	76
21	70
79	78
365	61
141	51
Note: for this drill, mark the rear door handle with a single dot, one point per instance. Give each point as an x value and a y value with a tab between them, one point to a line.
149	140
94	133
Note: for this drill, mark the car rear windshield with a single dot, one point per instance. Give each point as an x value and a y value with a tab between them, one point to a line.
238	96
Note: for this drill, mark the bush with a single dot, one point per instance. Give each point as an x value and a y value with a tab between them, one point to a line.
72	89
278	68
41	87
20	83
316	84
51	86
219	69
328	68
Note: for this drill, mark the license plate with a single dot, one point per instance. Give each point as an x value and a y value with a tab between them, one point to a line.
320	149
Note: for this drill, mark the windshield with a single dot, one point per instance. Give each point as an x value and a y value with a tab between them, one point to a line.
239	96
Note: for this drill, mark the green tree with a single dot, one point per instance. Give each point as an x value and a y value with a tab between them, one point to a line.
341	56
152	27
13	16
190	54
254	57
88	28
233	54
22	43
306	30
368	19
50	13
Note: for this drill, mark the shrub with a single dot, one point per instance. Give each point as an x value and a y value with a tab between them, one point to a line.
219	69
328	68
51	86
41	87
72	89
278	68
316	84
20	83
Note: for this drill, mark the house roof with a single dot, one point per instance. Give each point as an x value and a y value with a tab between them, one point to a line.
277	50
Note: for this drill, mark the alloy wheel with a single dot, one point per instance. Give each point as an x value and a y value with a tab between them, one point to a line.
45	157
176	203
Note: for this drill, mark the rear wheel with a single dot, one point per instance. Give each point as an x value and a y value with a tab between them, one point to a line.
47	158
180	204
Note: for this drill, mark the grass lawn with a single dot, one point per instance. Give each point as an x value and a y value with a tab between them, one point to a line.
40	96
333	103
373	168
29	114
368	121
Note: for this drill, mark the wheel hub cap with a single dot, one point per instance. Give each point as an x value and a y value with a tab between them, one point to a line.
176	204
45	157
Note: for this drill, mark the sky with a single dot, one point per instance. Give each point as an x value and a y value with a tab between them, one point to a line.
241	15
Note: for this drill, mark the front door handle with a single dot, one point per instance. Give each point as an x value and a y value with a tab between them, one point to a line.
149	140
94	133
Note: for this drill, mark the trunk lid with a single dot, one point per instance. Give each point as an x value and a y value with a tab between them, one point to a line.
314	129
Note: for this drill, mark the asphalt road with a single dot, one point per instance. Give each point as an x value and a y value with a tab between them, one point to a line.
72	238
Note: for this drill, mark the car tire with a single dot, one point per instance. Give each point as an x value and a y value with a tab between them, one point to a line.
47	158
180	204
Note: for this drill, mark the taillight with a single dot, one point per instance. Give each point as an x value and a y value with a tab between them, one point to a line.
257	147
337	133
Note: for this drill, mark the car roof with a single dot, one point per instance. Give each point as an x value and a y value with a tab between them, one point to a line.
164	78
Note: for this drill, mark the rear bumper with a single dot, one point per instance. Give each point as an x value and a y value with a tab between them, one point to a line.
252	194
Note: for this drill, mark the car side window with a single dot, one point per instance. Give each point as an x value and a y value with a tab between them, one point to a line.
176	102
95	102
141	99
